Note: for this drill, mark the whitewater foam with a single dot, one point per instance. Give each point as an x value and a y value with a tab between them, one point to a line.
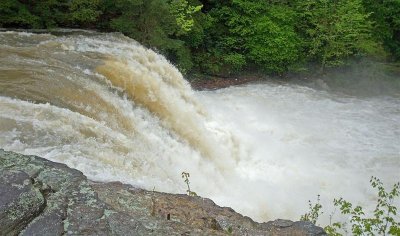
117	111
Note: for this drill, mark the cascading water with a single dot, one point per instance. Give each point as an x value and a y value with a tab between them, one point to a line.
105	105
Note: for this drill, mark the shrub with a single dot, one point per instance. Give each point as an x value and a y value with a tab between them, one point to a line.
382	221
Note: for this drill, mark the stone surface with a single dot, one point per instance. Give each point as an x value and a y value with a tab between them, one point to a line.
40	197
20	201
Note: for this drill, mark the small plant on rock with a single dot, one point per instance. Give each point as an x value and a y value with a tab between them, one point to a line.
314	212
185	177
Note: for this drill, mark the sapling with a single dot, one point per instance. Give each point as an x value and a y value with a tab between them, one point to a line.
185	177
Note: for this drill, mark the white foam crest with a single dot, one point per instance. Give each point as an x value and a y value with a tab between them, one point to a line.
151	158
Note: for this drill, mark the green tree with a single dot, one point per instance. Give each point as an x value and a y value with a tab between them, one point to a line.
84	12
335	30
274	44
16	14
52	13
253	32
386	15
183	13
66	13
158	24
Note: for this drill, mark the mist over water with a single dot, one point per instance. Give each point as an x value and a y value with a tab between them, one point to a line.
302	142
105	105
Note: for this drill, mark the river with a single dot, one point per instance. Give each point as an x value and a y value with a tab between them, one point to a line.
105	105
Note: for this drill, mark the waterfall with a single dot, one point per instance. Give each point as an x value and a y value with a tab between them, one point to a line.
117	111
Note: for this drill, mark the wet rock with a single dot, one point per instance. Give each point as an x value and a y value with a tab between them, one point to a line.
40	197
20	201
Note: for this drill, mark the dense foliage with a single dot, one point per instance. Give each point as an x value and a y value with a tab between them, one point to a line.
386	17
224	36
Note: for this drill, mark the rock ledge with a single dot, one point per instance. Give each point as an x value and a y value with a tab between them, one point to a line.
40	197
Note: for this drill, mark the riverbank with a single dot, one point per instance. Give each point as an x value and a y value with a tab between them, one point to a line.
361	78
215	82
40	197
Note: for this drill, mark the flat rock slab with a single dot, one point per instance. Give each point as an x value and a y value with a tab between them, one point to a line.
40	197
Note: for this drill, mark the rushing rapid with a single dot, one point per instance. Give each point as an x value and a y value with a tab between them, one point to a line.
105	105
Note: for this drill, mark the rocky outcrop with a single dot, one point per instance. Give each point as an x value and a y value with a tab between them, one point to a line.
40	197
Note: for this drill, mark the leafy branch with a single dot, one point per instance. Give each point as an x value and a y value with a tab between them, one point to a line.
382	220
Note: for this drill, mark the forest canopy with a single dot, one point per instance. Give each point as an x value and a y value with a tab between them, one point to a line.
225	36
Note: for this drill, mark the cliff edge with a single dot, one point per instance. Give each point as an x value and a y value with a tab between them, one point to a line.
40	197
